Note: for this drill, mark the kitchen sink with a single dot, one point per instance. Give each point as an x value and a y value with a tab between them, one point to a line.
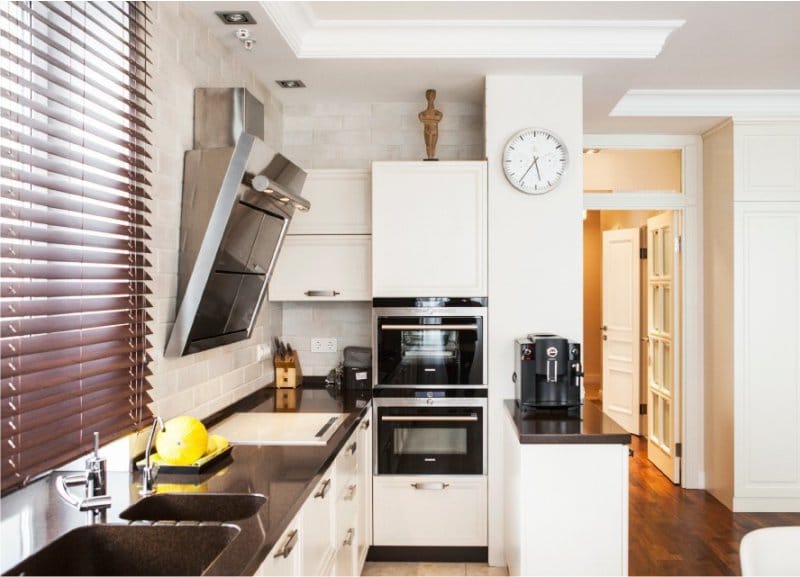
216	507
130	550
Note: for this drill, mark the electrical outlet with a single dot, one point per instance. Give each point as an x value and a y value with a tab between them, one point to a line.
263	351
323	345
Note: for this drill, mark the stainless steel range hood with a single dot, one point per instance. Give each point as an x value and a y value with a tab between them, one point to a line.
238	199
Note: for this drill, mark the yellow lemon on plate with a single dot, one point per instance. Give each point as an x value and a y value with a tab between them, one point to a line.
216	443
183	441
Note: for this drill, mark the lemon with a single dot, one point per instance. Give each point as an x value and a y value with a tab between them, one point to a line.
183	441
216	443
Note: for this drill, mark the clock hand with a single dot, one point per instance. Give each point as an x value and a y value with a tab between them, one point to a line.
535	159
536	163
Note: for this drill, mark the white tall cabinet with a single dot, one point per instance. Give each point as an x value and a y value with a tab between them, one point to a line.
756	283
429	229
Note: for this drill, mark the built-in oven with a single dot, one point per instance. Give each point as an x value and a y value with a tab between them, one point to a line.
429	342
431	435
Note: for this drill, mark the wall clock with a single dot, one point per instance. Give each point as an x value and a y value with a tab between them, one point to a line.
534	160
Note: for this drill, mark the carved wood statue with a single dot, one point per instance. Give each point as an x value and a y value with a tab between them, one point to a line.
430	118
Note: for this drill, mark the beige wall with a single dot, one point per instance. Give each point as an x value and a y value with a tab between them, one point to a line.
187	56
718	310
613	170
592	303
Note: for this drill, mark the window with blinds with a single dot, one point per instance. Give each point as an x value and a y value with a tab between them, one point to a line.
73	222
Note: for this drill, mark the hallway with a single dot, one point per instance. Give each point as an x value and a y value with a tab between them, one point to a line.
675	531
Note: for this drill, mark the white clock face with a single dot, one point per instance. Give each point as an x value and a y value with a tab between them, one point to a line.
535	160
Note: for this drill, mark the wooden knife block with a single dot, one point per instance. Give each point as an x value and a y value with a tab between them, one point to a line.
287	371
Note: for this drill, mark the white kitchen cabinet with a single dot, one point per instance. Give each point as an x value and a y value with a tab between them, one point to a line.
558	521
286	558
319	547
324	537
364	534
430	511
340	203
322	268
429	229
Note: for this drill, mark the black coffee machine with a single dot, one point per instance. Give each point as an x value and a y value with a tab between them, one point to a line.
548	373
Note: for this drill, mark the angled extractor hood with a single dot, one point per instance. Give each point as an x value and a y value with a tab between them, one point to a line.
238	199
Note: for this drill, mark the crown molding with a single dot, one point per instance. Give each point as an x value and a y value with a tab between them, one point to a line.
735	103
311	37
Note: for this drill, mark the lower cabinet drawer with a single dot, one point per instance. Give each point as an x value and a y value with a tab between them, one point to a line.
430	511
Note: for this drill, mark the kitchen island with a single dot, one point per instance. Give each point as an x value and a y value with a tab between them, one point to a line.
566	493
286	475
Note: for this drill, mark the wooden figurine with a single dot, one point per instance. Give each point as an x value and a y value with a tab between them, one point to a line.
430	118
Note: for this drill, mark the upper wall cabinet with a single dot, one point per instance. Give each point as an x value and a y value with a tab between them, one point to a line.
339	203
326	254
429	229
767	163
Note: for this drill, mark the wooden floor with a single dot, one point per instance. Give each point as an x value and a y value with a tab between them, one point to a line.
675	531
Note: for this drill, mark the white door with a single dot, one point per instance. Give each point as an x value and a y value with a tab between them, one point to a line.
621	327
663	407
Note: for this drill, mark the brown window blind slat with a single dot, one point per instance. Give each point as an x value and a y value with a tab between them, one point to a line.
53	288
70	339
73	237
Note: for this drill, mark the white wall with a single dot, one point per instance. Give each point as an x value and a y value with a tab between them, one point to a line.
187	56
353	134
718	310
535	247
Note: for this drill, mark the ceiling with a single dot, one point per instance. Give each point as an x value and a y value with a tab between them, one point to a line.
724	46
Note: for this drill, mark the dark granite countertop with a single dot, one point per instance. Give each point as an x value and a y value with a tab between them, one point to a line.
556	427
286	475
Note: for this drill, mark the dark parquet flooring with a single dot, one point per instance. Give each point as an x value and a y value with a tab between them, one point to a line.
675	531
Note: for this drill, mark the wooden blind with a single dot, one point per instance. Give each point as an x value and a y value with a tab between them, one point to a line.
73	222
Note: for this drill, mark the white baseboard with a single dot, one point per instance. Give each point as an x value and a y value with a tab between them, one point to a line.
766	505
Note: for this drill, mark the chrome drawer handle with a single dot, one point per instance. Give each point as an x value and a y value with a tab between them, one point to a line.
365	425
290	544
349	539
430	486
429	327
322	293
470	418
352	448
323	490
351	492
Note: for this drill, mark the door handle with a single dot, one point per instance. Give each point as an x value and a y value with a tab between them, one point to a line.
470	418
322	293
604	328
429	327
323	490
288	546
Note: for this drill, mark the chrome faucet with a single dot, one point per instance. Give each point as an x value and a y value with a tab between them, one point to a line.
95	479
150	470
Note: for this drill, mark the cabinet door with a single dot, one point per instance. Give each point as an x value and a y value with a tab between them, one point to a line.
340	203
318	526
286	557
364	534
429	229
430	511
322	268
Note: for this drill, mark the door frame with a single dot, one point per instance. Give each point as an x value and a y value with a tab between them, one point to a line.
689	204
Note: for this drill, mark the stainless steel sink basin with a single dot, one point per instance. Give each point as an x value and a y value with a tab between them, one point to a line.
130	550
216	507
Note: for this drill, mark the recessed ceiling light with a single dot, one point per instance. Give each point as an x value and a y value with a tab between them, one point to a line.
291	83
238	17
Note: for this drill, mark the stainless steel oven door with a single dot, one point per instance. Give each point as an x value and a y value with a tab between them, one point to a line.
429	347
429	436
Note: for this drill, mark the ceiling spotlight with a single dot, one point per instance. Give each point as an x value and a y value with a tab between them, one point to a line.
591	150
238	17
291	83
